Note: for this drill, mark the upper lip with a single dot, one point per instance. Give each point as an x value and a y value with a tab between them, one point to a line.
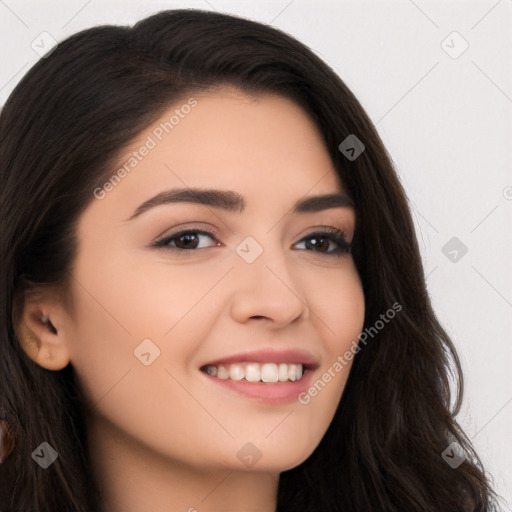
294	356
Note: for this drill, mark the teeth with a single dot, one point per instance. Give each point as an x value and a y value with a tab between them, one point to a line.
256	372
269	372
253	372
236	372
222	373
282	372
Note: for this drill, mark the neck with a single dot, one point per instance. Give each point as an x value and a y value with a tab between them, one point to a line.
132	477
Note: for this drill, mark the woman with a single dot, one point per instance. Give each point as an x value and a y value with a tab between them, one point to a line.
212	296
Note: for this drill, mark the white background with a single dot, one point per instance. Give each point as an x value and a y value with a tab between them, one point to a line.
446	123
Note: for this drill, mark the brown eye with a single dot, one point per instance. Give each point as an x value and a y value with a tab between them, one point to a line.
320	242
185	240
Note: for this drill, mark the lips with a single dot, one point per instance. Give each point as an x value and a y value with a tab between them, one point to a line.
272	388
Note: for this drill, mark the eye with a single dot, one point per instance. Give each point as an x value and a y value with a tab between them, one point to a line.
185	240
326	238
330	241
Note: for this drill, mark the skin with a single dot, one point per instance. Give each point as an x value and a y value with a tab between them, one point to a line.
163	437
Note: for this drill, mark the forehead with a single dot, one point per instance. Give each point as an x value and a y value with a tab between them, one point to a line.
227	137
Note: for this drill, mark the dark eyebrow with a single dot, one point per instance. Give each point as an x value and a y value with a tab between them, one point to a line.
234	202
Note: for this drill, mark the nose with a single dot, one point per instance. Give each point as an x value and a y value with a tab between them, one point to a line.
266	289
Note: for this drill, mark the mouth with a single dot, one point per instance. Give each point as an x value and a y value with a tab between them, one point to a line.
257	372
268	376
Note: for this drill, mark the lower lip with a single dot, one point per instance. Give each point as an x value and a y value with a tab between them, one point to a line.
267	392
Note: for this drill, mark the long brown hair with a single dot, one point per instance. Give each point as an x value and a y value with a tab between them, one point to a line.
61	131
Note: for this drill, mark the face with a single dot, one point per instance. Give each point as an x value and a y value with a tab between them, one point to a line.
253	291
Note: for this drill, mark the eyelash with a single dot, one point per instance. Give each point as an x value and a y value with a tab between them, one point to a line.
332	234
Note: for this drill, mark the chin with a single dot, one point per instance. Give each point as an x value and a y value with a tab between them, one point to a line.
284	457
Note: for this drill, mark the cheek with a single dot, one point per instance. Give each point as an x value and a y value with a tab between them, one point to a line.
338	307
150	403
130	297
118	307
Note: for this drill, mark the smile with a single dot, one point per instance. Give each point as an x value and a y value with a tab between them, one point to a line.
267	375
257	372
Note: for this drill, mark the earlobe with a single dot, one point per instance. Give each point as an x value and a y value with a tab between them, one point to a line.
39	329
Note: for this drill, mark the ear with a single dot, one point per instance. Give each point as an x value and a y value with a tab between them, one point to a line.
39	326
